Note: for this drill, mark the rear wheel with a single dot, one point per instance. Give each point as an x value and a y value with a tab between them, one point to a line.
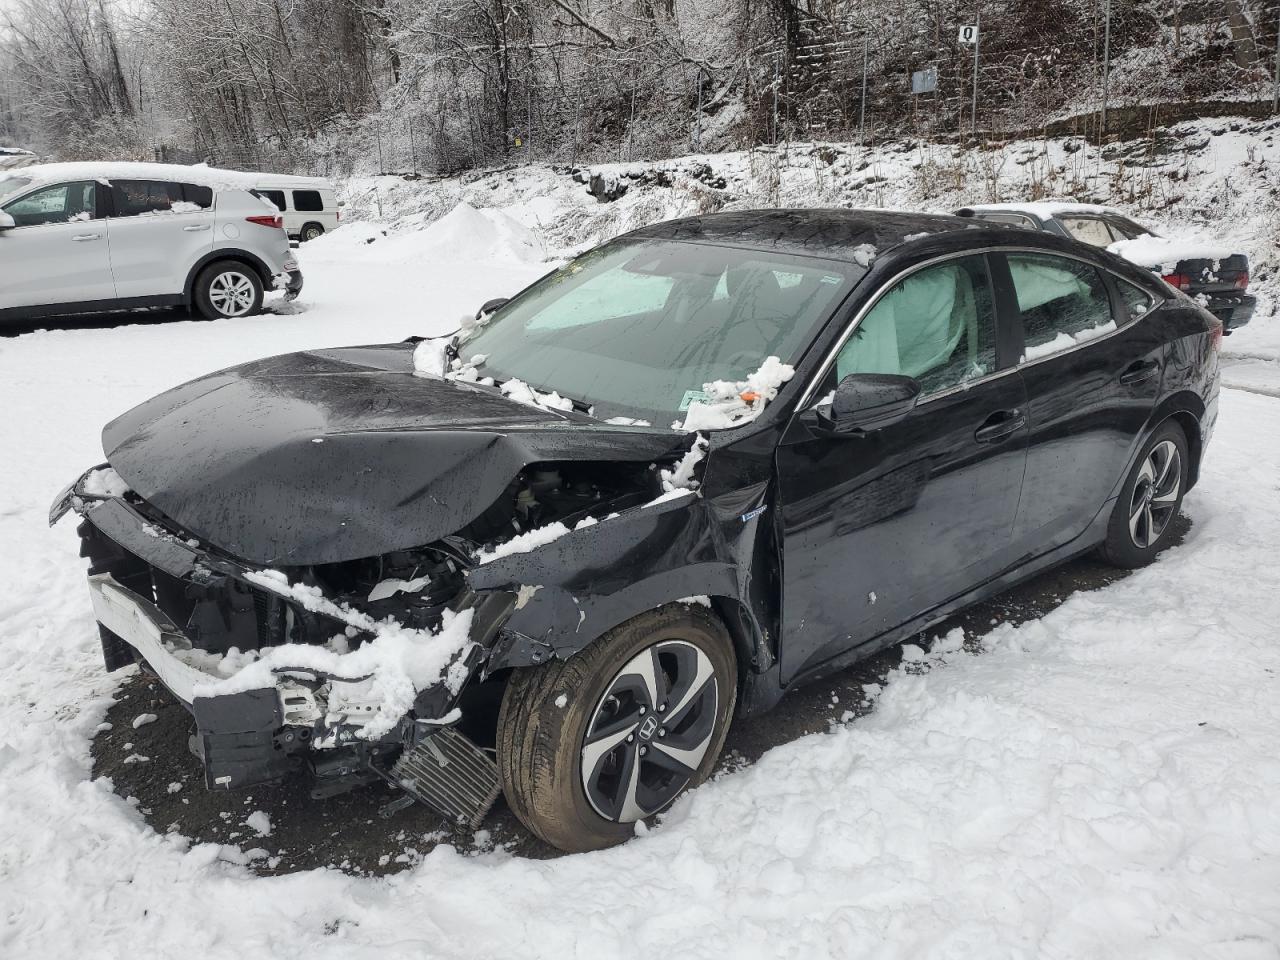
310	231
1141	522
590	745
226	289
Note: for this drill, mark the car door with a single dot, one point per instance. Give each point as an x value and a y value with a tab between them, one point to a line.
880	528
158	232
1092	378
57	252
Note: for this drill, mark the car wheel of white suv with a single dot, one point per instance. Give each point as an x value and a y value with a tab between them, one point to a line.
228	289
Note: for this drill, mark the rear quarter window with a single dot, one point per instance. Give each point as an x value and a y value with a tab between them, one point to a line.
275	196
308	201
1136	300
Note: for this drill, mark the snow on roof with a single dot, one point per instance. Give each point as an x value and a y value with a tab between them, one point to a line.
197	173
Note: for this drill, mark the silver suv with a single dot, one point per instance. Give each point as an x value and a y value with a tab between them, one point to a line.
89	237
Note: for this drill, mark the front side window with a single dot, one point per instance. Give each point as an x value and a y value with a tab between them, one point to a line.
64	203
1090	230
937	325
1063	302
307	201
137	198
637	327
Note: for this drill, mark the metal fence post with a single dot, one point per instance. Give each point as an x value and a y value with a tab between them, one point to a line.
413	147
777	79
862	110
1106	68
1275	86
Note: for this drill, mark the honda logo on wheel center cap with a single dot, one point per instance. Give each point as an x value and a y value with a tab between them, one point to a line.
648	727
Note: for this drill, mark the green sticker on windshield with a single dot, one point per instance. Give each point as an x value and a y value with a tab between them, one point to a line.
690	396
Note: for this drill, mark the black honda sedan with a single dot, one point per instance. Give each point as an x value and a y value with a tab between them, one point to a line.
553	554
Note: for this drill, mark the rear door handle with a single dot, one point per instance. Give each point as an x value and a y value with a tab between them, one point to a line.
1137	372
196	226
81	238
1001	424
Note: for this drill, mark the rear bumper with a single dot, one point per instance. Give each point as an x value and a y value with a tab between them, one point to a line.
1233	311
292	284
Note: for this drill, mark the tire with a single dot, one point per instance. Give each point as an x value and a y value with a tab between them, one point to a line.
1141	522
310	231
548	711
228	289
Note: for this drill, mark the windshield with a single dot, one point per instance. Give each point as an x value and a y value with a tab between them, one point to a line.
11	185
635	328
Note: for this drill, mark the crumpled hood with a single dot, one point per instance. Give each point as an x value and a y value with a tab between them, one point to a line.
334	455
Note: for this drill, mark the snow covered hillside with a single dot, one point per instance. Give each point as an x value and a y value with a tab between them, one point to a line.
1215	180
1102	782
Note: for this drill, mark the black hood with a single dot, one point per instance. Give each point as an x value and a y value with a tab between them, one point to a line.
339	454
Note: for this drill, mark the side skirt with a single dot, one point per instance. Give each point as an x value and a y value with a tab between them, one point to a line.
90	306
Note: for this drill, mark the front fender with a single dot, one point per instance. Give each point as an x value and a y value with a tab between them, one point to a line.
572	590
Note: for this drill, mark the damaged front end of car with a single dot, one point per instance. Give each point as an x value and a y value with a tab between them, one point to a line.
346	671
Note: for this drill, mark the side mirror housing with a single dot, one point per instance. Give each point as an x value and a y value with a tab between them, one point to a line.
490	306
6	221
870	401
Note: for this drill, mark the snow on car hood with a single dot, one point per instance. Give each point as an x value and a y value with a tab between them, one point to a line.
334	455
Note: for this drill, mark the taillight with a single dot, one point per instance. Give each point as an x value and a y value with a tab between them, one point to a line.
1242	281
338	214
1179	281
275	222
1215	335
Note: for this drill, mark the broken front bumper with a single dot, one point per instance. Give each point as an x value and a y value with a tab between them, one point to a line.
175	608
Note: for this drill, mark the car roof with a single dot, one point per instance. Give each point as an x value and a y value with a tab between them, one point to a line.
838	234
107	170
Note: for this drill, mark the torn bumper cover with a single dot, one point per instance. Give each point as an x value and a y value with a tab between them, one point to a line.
191	616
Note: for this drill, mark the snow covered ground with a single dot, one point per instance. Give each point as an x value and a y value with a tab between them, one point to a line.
1103	782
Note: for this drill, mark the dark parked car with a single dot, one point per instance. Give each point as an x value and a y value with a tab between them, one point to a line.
347	564
1219	276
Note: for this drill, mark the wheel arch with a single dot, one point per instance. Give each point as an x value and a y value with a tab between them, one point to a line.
1186	409
236	255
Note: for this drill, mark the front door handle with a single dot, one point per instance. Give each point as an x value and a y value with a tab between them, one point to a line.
196	226
1001	424
1139	371
81	238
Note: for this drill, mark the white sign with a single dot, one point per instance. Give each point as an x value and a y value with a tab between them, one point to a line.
969	33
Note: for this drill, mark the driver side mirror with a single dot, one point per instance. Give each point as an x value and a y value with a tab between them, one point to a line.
490	306
6	221
870	401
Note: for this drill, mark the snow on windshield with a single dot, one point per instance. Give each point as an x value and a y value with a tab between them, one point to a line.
728	403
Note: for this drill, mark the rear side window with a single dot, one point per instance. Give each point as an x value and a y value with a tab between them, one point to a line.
275	196
1091	230
938	326
1015	219
307	201
64	203
136	198
1063	302
197	195
1136	300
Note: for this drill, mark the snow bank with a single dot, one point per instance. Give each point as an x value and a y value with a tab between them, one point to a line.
463	235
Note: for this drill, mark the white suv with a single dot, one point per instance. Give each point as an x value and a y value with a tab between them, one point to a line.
88	237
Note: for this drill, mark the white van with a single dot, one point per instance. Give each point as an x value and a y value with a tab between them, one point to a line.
308	204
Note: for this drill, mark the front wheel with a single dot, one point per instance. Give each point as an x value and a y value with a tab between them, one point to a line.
228	289
590	745
1141	522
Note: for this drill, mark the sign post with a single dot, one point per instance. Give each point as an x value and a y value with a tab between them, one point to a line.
971	33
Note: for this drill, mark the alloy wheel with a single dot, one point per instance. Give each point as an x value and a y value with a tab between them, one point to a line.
650	731
231	294
1155	494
